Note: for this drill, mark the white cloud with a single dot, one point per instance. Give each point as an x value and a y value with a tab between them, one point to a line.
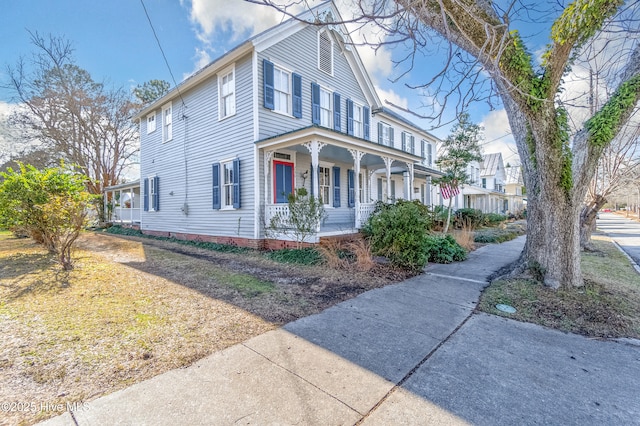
498	137
392	97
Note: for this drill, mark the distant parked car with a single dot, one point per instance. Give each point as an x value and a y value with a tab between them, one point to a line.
606	211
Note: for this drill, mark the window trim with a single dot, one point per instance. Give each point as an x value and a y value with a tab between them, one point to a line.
330	109
331	42
390	137
224	186
149	128
167	128
221	75
289	103
153	193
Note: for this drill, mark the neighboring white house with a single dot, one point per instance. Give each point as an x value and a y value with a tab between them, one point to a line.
515	189
488	189
291	107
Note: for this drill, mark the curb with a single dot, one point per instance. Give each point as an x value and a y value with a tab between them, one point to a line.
633	262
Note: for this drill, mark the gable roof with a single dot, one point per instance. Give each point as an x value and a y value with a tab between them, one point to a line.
490	164
514	175
268	38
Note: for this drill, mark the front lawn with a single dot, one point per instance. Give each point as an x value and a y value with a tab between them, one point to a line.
607	306
133	308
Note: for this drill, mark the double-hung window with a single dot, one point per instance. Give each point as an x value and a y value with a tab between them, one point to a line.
227	93
226	184
167	122
151	122
408	142
281	91
385	134
324	184
358	121
325	108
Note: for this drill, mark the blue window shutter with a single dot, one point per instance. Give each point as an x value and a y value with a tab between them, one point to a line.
380	133
337	116
413	144
352	196
379	189
236	183
216	186
156	197
297	95
267	77
311	174
404	141
146	195
391	136
315	103
393	190
365	123
336	186
349	117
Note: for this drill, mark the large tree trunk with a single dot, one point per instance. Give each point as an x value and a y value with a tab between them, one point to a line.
588	221
552	249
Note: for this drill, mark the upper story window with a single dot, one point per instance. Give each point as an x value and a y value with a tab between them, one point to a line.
167	122
325	108
325	52
385	134
227	93
151	122
427	153
281	91
408	142
358	121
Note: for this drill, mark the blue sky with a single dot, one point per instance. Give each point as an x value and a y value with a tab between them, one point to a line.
114	42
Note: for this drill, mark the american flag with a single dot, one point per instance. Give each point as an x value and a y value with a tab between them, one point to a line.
449	190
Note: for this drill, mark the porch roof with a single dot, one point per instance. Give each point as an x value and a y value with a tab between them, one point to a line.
333	137
478	190
132	184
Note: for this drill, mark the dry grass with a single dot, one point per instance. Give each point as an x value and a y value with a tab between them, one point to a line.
608	305
70	336
465	236
133	308
353	254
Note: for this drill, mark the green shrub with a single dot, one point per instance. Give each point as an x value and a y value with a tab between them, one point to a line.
494	235
444	249
468	217
399	232
304	256
494	218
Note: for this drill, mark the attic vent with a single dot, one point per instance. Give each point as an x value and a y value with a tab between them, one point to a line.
325	52
282	156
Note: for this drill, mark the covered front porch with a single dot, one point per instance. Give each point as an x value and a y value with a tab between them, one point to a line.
486	200
122	203
348	174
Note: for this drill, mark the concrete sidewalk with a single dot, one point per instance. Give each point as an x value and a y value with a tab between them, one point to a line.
410	353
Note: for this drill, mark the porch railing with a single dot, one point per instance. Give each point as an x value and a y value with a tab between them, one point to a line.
273	210
365	211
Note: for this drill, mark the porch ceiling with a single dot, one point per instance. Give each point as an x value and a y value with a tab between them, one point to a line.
337	146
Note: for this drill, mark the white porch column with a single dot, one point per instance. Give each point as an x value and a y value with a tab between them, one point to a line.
427	198
314	148
267	170
357	156
387	164
411	176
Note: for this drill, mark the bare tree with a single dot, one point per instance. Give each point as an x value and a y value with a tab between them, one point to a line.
85	122
480	38
618	167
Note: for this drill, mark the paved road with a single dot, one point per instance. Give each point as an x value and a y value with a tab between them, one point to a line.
623	231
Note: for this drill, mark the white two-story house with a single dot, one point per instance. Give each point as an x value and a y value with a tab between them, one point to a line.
488	187
291	107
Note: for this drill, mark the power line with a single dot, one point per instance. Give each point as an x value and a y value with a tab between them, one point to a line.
162	51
